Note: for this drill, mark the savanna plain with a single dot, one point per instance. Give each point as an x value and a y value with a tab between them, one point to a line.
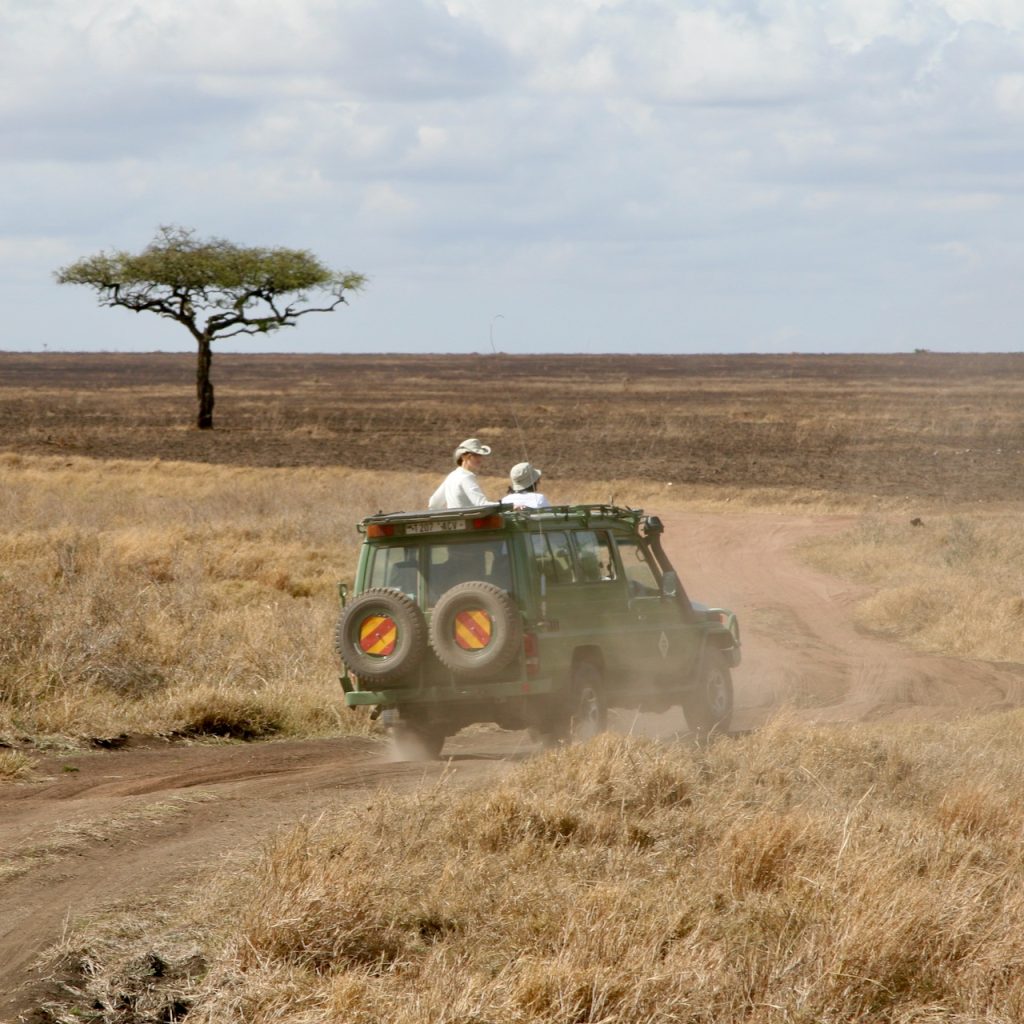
193	828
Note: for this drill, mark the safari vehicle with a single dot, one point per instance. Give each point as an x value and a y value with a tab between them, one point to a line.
534	619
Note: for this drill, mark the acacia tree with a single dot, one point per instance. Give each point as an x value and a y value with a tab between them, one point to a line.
215	288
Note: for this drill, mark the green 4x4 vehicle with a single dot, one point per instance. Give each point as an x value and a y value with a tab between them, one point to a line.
535	619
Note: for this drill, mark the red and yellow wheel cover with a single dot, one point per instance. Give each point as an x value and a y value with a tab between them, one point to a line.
378	635
473	629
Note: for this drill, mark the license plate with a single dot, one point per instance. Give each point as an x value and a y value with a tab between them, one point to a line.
436	526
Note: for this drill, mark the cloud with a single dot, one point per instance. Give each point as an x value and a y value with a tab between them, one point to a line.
713	162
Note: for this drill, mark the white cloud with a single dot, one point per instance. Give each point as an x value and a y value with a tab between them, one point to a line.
1003	14
382	200
1009	94
959	252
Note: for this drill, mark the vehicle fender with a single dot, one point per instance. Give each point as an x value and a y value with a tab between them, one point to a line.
725	634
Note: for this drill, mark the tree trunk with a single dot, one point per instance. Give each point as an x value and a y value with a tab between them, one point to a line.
204	387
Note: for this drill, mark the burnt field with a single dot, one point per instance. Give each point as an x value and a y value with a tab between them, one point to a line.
922	425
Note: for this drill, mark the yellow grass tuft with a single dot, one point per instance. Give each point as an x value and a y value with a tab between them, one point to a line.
15	765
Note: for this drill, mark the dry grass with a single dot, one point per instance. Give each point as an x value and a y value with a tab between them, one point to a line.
159	598
954	584
796	875
14	766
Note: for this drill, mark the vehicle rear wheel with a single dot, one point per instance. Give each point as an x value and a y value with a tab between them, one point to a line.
708	708
550	735
581	716
417	741
589	712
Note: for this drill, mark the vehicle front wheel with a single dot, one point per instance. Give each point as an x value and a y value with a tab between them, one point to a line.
708	707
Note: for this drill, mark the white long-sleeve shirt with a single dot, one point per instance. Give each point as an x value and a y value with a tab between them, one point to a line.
526	499
459	489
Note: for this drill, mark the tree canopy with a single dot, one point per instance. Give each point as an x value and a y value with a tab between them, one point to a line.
215	288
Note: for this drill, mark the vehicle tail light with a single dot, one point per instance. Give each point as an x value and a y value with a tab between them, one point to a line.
494	522
531	653
380	530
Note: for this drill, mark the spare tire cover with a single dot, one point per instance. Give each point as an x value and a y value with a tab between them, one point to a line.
381	635
476	629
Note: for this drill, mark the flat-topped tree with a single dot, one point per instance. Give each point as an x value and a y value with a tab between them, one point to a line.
215	288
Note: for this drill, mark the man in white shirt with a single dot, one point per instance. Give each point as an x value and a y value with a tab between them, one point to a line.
523	492
460	488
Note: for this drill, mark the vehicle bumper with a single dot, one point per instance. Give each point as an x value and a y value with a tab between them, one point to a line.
475	693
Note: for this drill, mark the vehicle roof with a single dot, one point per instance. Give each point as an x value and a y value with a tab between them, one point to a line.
569	515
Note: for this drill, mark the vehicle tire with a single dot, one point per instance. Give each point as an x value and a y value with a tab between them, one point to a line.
381	635
552	733
708	707
417	741
588	710
476	629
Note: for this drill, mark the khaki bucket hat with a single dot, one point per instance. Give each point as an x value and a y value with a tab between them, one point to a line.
523	475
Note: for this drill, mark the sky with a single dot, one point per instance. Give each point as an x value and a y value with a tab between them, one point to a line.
664	176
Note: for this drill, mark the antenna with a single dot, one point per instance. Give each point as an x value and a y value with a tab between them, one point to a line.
511	406
526	458
497	316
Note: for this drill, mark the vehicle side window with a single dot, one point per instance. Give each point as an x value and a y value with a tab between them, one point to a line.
553	556
395	567
637	568
594	555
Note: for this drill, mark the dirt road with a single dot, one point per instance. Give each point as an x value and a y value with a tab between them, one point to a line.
116	827
801	648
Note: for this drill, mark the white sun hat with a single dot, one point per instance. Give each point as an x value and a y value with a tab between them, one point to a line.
473	446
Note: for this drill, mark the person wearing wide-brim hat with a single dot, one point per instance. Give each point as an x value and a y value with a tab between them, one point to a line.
522	491
460	488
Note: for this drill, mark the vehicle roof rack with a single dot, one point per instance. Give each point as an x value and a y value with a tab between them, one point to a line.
585	512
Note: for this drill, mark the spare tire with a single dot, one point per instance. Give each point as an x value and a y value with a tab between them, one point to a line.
381	635
476	629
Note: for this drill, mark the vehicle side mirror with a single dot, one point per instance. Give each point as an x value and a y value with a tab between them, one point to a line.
670	584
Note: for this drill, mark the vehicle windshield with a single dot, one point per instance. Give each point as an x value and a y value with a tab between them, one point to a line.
425	571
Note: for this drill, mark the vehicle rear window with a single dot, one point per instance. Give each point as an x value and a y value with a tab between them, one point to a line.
437	567
448	564
396	567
